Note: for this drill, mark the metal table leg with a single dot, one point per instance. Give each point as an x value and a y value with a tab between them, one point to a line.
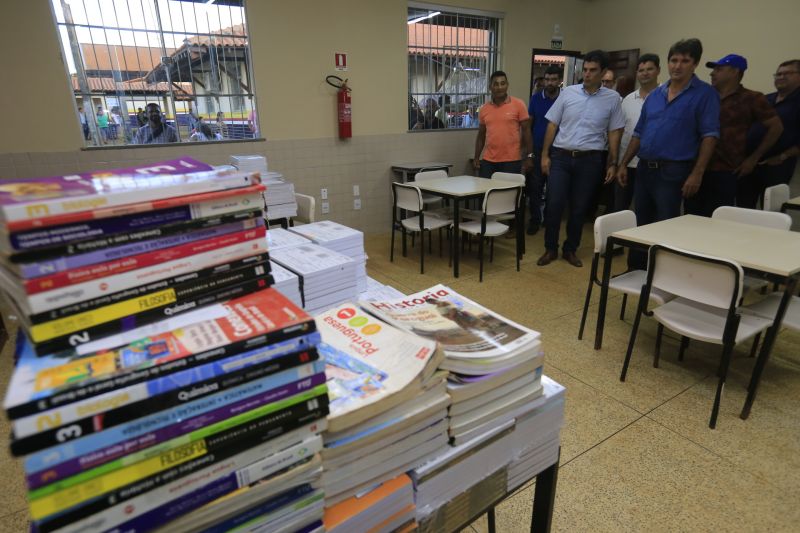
544	498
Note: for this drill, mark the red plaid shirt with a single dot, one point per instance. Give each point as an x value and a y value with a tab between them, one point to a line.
738	112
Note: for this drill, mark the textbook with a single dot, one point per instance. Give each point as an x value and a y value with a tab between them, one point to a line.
371	366
33	198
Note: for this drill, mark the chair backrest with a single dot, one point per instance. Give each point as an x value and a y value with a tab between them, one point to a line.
775	197
407	197
305	208
701	278
430	175
500	201
508	176
605	225
755	217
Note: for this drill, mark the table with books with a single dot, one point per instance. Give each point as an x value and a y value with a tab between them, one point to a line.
168	377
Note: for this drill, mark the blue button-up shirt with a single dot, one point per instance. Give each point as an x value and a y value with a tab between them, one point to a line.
672	131
584	119
538	107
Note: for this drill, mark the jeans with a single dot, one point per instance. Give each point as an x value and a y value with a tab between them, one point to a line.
572	183
657	197
623	196
490	167
534	187
718	188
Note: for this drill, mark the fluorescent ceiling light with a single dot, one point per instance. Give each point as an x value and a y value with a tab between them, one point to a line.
418	19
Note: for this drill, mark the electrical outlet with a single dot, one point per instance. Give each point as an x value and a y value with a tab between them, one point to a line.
356	190
323	193
357	202
326	207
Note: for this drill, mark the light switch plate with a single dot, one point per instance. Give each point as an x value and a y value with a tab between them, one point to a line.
357	203
323	193
356	190
326	207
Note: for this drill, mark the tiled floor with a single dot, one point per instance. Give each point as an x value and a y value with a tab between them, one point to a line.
636	456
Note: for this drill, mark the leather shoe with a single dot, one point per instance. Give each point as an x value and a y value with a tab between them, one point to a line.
533	229
572	259
548	257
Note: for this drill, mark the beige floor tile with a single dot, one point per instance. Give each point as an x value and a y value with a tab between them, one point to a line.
648	478
14	523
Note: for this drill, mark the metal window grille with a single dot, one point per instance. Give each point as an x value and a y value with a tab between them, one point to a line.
450	58
191	57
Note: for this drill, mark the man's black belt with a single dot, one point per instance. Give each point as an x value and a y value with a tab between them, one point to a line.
659	163
576	153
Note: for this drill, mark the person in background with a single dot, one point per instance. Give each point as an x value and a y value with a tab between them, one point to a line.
222	127
610	80
740	108
538	83
204	133
585	120
504	141
84	124
470	119
539	105
430	119
102	124
141	117
647	71
119	123
156	131
252	122
778	164
674	139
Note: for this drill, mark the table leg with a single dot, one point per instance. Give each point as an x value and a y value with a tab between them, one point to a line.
544	498
766	348
601	309
456	236
490	520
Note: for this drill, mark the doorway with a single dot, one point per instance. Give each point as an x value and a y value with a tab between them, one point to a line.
568	60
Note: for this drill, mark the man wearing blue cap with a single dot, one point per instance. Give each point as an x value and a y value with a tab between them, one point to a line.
740	108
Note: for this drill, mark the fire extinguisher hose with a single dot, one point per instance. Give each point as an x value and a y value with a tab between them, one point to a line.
339	83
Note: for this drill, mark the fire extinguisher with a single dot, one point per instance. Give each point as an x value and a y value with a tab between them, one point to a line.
343	104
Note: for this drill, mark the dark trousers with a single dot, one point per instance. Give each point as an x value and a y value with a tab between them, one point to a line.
717	189
490	167
572	183
657	197
750	189
623	196
534	187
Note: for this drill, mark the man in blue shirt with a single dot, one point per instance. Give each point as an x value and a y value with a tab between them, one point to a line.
540	104
585	121
674	138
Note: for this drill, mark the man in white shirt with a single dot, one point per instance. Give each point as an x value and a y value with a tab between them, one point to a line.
647	71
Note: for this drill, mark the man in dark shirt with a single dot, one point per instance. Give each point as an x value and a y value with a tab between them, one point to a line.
156	131
778	164
539	105
740	108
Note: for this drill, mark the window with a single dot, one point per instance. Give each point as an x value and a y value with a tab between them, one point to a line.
450	58
190	58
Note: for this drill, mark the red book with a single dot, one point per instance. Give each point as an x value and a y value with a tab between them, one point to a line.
117	266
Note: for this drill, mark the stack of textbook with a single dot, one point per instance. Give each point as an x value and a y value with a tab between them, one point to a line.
389	507
279	238
171	380
327	278
388	403
287	283
495	364
342	239
279	195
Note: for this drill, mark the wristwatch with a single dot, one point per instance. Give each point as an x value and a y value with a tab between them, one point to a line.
530	155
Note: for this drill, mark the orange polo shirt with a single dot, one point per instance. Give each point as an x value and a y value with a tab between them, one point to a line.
503	129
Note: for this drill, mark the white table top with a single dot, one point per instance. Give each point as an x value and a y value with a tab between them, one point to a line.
794	201
417	166
463	185
767	250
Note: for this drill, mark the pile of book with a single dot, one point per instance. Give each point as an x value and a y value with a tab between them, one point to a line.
389	507
388	411
279	195
156	372
495	364
287	283
327	278
343	239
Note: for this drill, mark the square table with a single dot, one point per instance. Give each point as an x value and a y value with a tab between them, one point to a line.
459	188
771	252
793	204
410	169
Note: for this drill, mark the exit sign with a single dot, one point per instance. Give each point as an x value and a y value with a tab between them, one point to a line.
556	44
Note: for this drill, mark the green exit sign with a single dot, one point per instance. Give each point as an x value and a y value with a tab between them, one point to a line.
556	44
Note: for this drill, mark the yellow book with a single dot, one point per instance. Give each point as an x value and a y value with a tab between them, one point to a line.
64	326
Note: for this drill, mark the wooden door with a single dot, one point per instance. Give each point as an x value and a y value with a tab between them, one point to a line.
624	63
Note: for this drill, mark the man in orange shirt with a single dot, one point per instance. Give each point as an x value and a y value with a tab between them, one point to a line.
504	142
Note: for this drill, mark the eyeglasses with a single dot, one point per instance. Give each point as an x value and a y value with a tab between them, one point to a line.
785	73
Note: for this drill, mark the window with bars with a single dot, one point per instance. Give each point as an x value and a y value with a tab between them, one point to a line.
190	58
451	55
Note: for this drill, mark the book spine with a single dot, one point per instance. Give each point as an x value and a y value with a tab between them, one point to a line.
55	498
261	509
61	297
54	266
138	433
58	434
138	319
137	262
183	286
291	382
58	206
107	313
171	497
168	382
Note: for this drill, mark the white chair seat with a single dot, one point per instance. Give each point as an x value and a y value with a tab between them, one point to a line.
431	223
705	323
767	308
493	228
631	283
429	200
470	214
754	284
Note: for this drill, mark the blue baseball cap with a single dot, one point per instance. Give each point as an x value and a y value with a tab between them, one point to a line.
733	60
